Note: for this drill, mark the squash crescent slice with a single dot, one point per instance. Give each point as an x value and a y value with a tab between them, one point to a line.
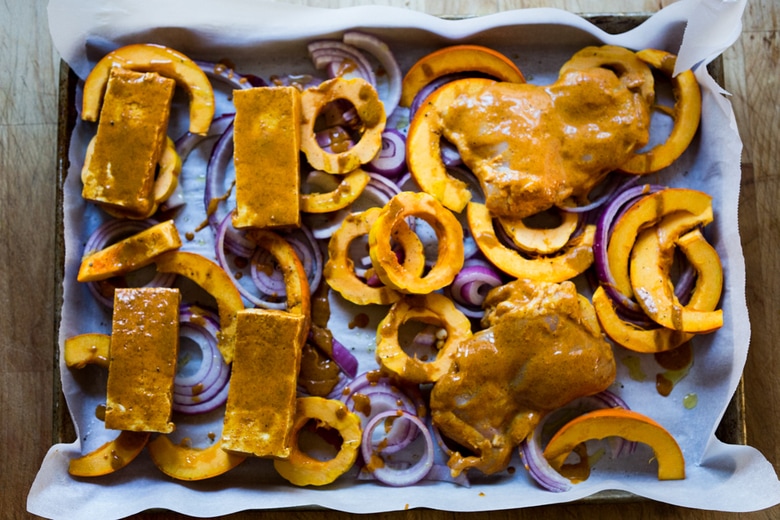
91	348
573	259
643	214
185	463
162	60
454	59
616	422
111	456
650	279
212	279
296	282
686	114
348	190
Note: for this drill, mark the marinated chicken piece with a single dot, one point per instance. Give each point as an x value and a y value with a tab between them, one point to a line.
532	147
541	349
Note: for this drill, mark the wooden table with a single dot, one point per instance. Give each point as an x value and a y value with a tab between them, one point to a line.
28	130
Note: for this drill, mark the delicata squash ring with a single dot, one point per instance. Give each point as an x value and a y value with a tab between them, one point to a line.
369	108
433	309
686	114
339	270
543	241
448	232
301	469
147	57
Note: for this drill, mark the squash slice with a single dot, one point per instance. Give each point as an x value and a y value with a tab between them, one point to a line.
618	422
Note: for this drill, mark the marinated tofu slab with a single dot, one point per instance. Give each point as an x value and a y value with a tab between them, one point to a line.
142	362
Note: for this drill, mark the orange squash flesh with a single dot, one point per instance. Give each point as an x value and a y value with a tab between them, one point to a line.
302	470
616	422
630	336
211	278
153	58
423	145
643	214
87	349
348	190
576	257
448	232
185	463
453	59
111	456
686	114
650	265
369	108
132	253
433	309
339	270
542	241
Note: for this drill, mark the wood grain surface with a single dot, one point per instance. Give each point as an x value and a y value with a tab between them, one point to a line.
28	134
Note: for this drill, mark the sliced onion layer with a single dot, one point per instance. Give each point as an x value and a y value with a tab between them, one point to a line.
205	389
389	472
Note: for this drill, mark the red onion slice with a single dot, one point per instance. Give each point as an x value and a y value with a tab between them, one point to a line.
540	469
397	436
208	367
325	52
346	361
473	282
394	473
205	389
270	293
205	406
381	51
323	225
189	141
391	159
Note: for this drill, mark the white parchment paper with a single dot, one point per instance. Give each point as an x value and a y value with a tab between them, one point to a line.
267	38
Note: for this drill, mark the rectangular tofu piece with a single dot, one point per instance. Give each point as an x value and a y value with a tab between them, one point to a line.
122	159
142	359
260	406
266	156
